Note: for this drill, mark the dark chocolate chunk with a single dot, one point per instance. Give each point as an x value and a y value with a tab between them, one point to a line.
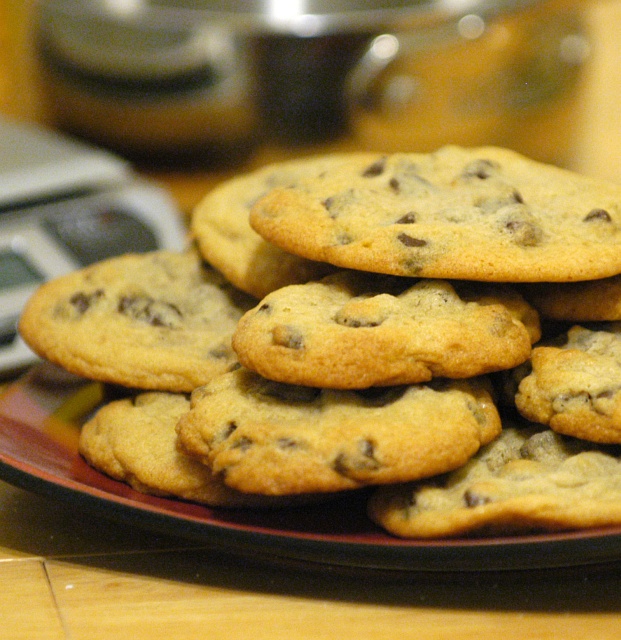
408	218
220	351
523	232
357	323
598	214
157	313
409	241
364	460
226	432
287	443
375	169
471	499
344	239
82	302
481	169
287	336
243	444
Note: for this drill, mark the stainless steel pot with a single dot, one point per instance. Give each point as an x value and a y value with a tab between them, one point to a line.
510	79
303	18
208	79
164	92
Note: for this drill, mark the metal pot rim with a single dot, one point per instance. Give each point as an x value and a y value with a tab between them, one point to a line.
289	17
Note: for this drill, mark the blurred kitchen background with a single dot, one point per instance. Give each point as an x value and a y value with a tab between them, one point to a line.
190	90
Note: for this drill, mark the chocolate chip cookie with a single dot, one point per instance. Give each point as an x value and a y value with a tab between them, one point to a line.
588	301
529	479
270	438
477	214
223	234
355	330
134	440
158	321
575	386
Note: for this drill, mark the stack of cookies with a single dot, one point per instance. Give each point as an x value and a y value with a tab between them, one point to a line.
437	330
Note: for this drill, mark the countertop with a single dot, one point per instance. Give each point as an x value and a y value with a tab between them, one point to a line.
65	574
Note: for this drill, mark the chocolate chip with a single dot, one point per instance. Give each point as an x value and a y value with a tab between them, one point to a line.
478	412
473	500
328	203
562	400
364	459
409	500
287	443
82	302
367	448
228	431
494	204
265	308
598	214
408	218
225	433
287	336
345	202
523	232
243	444
220	352
357	323
344	239
407	180
375	169
481	169
606	395
599	403
157	313
413	265
409	241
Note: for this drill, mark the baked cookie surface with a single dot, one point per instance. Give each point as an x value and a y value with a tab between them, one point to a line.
477	214
575	387
274	439
159	321
134	440
221	227
355	330
528	479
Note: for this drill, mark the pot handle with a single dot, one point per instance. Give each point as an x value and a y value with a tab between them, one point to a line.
380	52
385	48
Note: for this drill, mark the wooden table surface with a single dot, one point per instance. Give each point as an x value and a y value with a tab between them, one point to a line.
70	575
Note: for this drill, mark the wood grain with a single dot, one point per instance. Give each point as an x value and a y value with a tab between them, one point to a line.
183	595
27	607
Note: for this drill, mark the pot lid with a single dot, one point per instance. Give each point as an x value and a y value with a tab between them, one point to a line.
294	17
164	39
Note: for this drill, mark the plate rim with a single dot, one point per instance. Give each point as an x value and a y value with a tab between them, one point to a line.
519	552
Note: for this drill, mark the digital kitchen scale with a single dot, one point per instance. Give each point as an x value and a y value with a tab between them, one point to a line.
65	204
